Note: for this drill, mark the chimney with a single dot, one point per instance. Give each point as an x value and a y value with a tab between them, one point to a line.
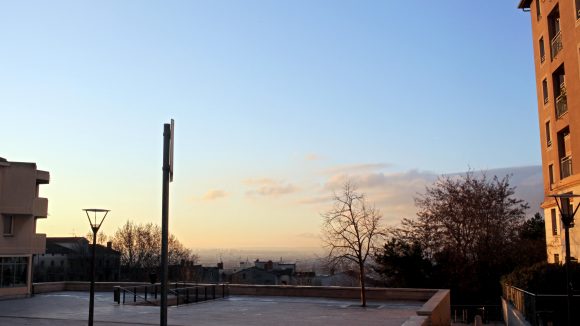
109	244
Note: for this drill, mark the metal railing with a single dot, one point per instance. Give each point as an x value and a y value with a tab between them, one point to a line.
566	166
556	45
540	309
466	313
197	293
561	103
178	293
523	301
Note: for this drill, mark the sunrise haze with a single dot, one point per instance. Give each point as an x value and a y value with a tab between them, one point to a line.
275	104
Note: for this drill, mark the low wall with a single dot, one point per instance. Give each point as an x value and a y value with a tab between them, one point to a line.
435	311
437	308
338	292
80	286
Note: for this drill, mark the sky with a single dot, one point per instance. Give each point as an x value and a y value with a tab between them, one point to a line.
276	103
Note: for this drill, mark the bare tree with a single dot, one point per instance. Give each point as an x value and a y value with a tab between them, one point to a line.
102	238
351	231
140	246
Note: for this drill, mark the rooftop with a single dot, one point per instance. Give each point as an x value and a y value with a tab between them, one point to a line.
71	308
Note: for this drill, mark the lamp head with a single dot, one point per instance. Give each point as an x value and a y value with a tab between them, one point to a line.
96	216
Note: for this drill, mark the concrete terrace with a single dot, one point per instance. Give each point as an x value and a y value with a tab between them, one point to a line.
71	308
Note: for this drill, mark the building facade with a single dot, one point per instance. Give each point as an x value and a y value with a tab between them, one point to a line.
69	259
556	40
20	207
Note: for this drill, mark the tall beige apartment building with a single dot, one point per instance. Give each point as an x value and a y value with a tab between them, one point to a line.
556	38
20	207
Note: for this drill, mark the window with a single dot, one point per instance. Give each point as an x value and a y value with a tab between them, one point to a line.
539	9
548	136
13	271
564	153
577	9
554	221
554	30
556	259
545	90
551	174
543	50
8	225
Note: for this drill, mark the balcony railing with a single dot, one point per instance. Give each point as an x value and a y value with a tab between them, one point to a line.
566	166
556	45
561	105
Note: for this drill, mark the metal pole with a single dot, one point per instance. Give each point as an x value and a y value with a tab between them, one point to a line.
164	223
92	290
568	291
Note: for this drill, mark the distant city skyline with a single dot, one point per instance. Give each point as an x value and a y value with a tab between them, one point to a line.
275	104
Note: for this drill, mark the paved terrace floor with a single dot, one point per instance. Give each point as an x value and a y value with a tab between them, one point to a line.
71	308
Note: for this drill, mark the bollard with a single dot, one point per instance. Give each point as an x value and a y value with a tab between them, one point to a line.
117	295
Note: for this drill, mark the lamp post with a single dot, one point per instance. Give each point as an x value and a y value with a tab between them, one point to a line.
567	213
98	217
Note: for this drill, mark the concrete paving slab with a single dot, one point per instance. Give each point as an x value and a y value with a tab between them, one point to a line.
71	308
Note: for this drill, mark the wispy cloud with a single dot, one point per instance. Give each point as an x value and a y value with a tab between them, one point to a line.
394	193
313	157
357	168
259	181
269	187
313	200
214	194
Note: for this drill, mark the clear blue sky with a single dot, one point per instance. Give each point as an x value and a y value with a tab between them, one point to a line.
279	90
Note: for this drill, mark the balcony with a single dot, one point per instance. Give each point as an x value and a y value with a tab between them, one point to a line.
561	106
556	45
42	177
566	166
40	207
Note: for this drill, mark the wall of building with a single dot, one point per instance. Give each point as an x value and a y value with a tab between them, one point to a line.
569	58
19	201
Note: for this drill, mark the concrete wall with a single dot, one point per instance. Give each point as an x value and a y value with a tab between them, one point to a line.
80	286
19	198
15	292
338	292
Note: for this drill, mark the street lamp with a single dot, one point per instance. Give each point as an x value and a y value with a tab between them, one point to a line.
567	213
98	217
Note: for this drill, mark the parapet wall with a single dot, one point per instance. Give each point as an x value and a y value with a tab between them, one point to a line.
38	288
338	292
435	311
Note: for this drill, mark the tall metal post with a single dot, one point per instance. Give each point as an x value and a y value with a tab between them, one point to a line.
95	223
167	135
92	291
568	285
567	213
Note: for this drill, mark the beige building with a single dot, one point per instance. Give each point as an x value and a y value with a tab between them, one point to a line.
556	39
20	207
